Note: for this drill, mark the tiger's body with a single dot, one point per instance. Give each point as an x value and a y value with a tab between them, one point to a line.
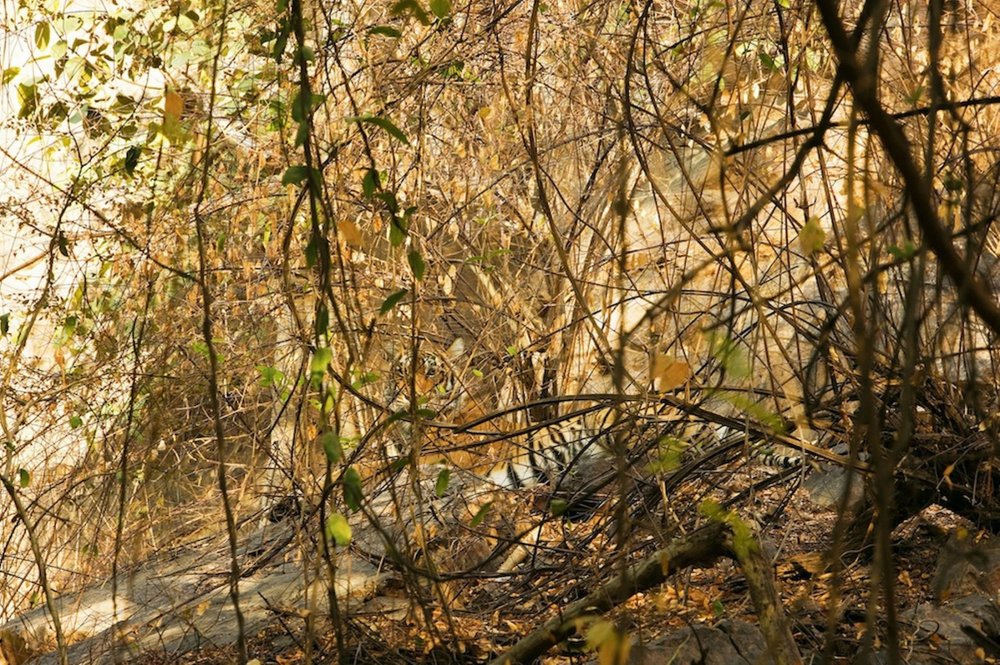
559	452
547	454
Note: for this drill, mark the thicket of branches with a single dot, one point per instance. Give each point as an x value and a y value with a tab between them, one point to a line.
235	231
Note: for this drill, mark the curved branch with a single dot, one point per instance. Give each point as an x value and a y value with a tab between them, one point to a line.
700	549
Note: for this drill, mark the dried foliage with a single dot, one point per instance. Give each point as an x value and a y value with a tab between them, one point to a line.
344	259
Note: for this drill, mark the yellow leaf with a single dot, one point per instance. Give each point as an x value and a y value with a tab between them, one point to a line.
671	372
612	646
615	651
664	563
599	633
351	232
946	476
811	237
173	106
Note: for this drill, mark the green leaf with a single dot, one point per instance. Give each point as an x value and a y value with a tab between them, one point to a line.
63	244
58	49
328	405
904	253
24	477
28	96
392	301
558	507
711	509
312	249
411	7
767	61
42	34
670	450
425	414
392	205
300	111
4	323
320	361
385	31
441	8
743	541
322	319
276	115
369	183
9	74
294	175
481	514
441	486
298	108
353	493
331	446
338	530
397	232
58	112
366	379
729	354
75	421
757	410
454	69
281	41
382	123
812	236
269	376
132	159
69	326
417	264
301	134
185	24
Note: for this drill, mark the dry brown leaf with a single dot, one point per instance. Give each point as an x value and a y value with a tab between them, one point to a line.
811	563
351	233
173	106
904	579
671	372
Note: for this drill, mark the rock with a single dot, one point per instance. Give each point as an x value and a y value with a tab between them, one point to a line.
965	566
729	643
179	601
953	628
826	487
